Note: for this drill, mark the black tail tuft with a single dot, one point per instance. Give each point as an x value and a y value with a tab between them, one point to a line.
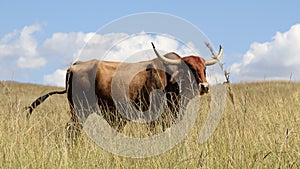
40	100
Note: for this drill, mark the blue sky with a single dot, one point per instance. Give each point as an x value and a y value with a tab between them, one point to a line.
259	37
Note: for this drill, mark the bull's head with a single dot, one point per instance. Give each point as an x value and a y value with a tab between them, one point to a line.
196	64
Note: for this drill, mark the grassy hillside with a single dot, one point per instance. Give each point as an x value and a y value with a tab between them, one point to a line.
260	128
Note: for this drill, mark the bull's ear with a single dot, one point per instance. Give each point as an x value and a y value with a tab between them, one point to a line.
149	67
173	76
176	76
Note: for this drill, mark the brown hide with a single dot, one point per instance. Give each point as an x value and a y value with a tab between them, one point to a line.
92	83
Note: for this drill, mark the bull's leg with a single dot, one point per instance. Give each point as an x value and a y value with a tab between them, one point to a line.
114	119
73	131
121	124
165	124
152	127
171	115
118	122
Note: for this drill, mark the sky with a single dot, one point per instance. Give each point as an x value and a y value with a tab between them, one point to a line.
40	40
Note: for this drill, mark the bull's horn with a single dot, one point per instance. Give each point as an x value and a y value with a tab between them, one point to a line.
215	58
164	59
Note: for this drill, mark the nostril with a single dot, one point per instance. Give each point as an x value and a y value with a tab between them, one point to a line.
204	88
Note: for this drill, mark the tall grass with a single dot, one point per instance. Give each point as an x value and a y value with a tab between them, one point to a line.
260	128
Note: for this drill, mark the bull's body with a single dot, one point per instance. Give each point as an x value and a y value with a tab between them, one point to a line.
93	82
95	85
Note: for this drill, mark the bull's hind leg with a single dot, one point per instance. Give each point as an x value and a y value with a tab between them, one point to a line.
73	131
116	121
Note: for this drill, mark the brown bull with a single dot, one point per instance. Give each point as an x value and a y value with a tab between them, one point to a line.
95	84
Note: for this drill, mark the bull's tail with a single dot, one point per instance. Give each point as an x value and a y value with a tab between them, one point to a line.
41	99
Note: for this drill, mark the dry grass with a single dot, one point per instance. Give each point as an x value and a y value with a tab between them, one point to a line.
260	128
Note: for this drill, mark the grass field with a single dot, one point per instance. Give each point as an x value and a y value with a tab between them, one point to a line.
260	128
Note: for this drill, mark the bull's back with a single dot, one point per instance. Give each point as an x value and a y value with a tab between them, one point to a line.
101	77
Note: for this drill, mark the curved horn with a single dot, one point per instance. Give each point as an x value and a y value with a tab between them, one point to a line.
164	59
215	58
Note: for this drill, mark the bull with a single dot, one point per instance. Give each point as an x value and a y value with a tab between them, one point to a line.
89	85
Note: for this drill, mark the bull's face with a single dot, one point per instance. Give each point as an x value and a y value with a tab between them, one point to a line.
198	68
196	64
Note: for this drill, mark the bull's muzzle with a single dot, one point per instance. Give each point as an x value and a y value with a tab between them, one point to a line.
204	87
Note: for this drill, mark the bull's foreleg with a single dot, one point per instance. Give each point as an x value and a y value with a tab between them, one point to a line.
118	122
152	127
114	119
121	125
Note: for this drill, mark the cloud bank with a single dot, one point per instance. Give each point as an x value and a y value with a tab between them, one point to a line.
24	52
57	78
278	59
23	55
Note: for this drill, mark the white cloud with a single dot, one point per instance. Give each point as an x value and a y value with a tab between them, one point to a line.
22	50
64	44
277	59
21	46
57	78
96	45
30	62
138	47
